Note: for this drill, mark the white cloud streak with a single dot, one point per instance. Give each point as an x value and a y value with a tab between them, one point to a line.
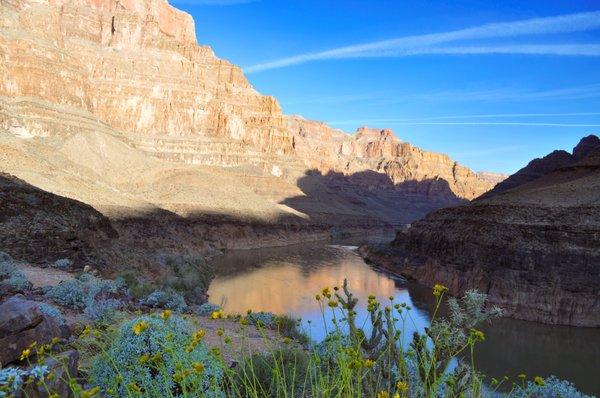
212	2
417	44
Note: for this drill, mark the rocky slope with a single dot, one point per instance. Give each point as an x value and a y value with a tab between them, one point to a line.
534	247
113	103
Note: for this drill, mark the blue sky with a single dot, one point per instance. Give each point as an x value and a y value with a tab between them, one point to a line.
491	83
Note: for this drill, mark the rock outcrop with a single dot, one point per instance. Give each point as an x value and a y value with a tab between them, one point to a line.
533	248
22	322
114	104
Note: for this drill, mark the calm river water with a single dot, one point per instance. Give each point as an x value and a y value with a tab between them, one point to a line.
285	281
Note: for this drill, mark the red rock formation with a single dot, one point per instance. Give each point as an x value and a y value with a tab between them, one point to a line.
88	88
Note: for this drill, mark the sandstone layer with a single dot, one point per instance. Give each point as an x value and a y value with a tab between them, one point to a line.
113	103
534	248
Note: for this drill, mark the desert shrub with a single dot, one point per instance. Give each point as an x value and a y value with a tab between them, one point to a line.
280	373
11	278
552	387
157	357
62	263
189	276
69	293
206	309
13	379
86	293
262	319
289	327
102	309
137	287
53	312
170	300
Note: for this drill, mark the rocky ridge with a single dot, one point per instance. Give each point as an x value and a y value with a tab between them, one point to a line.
534	247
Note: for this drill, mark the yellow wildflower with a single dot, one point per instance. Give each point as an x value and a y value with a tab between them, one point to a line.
383	394
169	336
198	367
199	334
166	314
438	290
318	297
287	340
86	330
134	387
477	335
216	314
369	363
90	393
396	395
244	321
402	386
220	332
326	292
539	381
25	354
332	303
522	376
144	358
140	327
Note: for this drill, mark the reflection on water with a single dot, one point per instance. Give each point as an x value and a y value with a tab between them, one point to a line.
285	281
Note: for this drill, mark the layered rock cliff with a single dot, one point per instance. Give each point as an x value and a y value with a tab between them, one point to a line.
113	103
534	247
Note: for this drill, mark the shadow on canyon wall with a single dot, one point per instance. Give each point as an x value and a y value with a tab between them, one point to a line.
368	197
41	227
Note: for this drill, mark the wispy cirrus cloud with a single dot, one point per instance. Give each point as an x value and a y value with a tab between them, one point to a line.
212	2
465	95
419	44
466	120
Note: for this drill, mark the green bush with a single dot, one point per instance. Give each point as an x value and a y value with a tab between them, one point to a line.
281	373
157	357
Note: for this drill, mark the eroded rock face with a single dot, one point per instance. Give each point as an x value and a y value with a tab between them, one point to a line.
535	249
40	227
408	168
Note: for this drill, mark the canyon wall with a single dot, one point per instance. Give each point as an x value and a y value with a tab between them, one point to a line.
534	248
115	104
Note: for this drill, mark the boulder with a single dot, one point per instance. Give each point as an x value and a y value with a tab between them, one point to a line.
21	323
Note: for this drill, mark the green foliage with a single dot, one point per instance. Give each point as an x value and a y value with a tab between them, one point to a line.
52	312
156	357
83	292
189	276
281	373
206	309
169	300
161	356
552	387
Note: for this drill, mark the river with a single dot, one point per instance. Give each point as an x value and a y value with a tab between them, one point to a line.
285	280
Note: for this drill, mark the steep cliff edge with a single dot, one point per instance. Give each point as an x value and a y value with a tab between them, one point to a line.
534	248
113	103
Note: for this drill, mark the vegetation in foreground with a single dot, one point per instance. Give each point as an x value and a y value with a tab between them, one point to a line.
162	355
